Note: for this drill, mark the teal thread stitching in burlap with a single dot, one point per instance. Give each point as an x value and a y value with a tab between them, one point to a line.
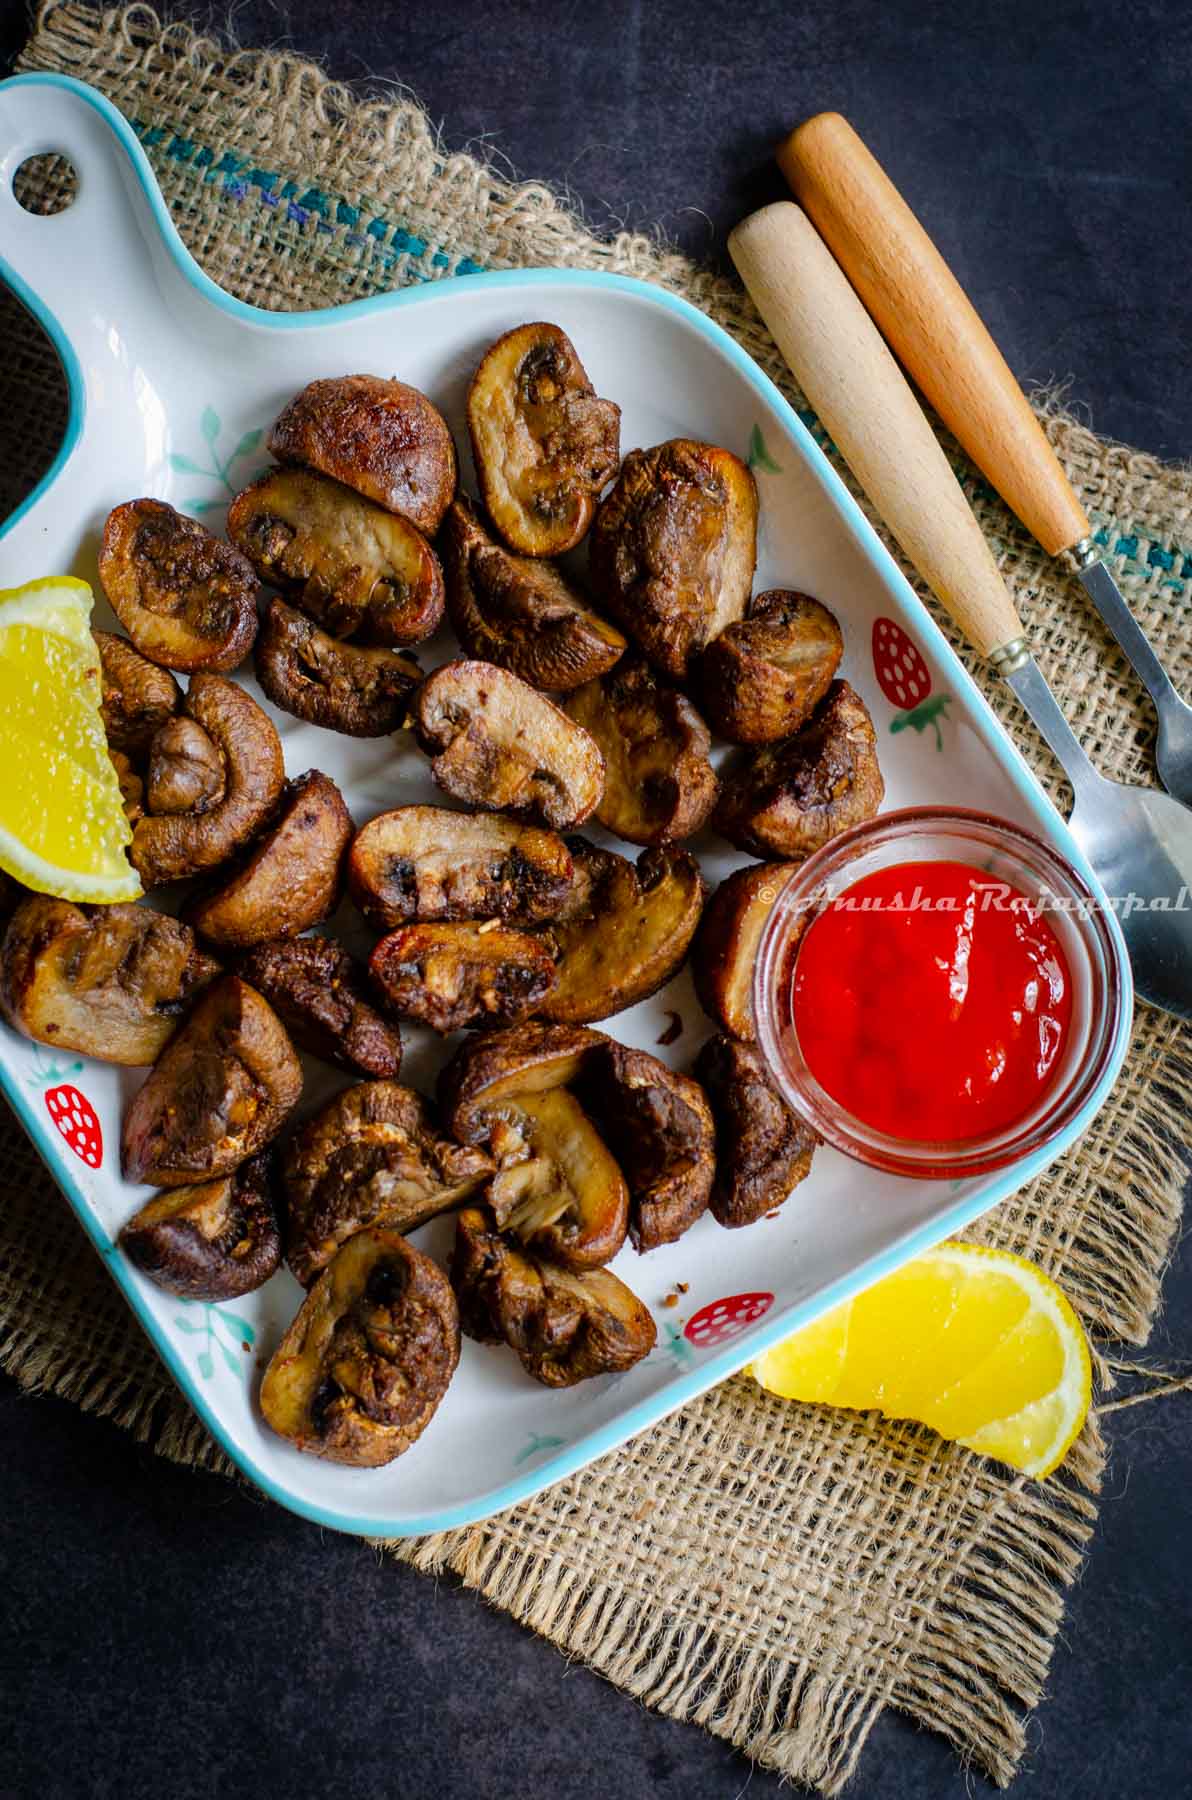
237	177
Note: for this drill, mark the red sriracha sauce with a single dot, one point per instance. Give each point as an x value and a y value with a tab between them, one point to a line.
932	1002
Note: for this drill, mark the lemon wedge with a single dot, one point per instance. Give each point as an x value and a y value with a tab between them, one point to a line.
62	824
977	1343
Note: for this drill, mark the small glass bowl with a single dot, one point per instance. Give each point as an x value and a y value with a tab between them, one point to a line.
1100	982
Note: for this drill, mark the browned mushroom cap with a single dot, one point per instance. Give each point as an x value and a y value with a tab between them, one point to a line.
724	955
360	1372
320	994
790	798
380	437
525	1059
763	1149
171	846
348	563
212	1241
658	780
564	1327
624	932
372	1157
556	1184
450	976
543	443
186	599
425	863
673	548
219	1091
186	770
108	981
659	1127
763	677
518	612
496	742
291	880
353	688
137	696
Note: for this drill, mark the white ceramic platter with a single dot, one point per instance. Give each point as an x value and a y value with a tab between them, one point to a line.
172	386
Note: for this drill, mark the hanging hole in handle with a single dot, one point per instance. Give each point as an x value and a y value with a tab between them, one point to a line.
45	185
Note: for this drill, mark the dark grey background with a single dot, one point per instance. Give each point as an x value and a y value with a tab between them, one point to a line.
170	1635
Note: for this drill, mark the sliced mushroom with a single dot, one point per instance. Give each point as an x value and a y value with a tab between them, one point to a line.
624	932
659	782
292	878
138	696
186	599
564	1327
519	612
356	689
173	845
556	1184
361	1371
763	677
108	981
320	994
380	437
790	798
658	1125
219	1091
348	563
543	442
186	770
498	743
724	955
372	1157
425	863
450	976
211	1241
673	548
763	1149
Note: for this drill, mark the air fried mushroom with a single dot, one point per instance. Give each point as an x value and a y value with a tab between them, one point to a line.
108	981
219	1091
132	788
673	548
790	798
763	677
291	880
498	743
763	1149
321	996
361	1371
564	1327
186	771
724	954
624	932
373	1156
349	564
380	437
520	612
658	1125
186	599
170	846
450	976
214	1240
137	695
658	782
426	863
543	442
556	1184
360	690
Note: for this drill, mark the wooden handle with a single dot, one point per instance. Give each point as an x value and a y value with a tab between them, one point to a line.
925	315
867	406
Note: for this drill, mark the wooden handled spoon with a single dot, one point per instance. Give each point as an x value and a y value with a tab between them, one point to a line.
925	315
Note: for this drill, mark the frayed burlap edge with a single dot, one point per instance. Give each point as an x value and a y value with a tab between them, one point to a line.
962	1638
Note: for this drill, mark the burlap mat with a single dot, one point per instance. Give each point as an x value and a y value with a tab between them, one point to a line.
778	1574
